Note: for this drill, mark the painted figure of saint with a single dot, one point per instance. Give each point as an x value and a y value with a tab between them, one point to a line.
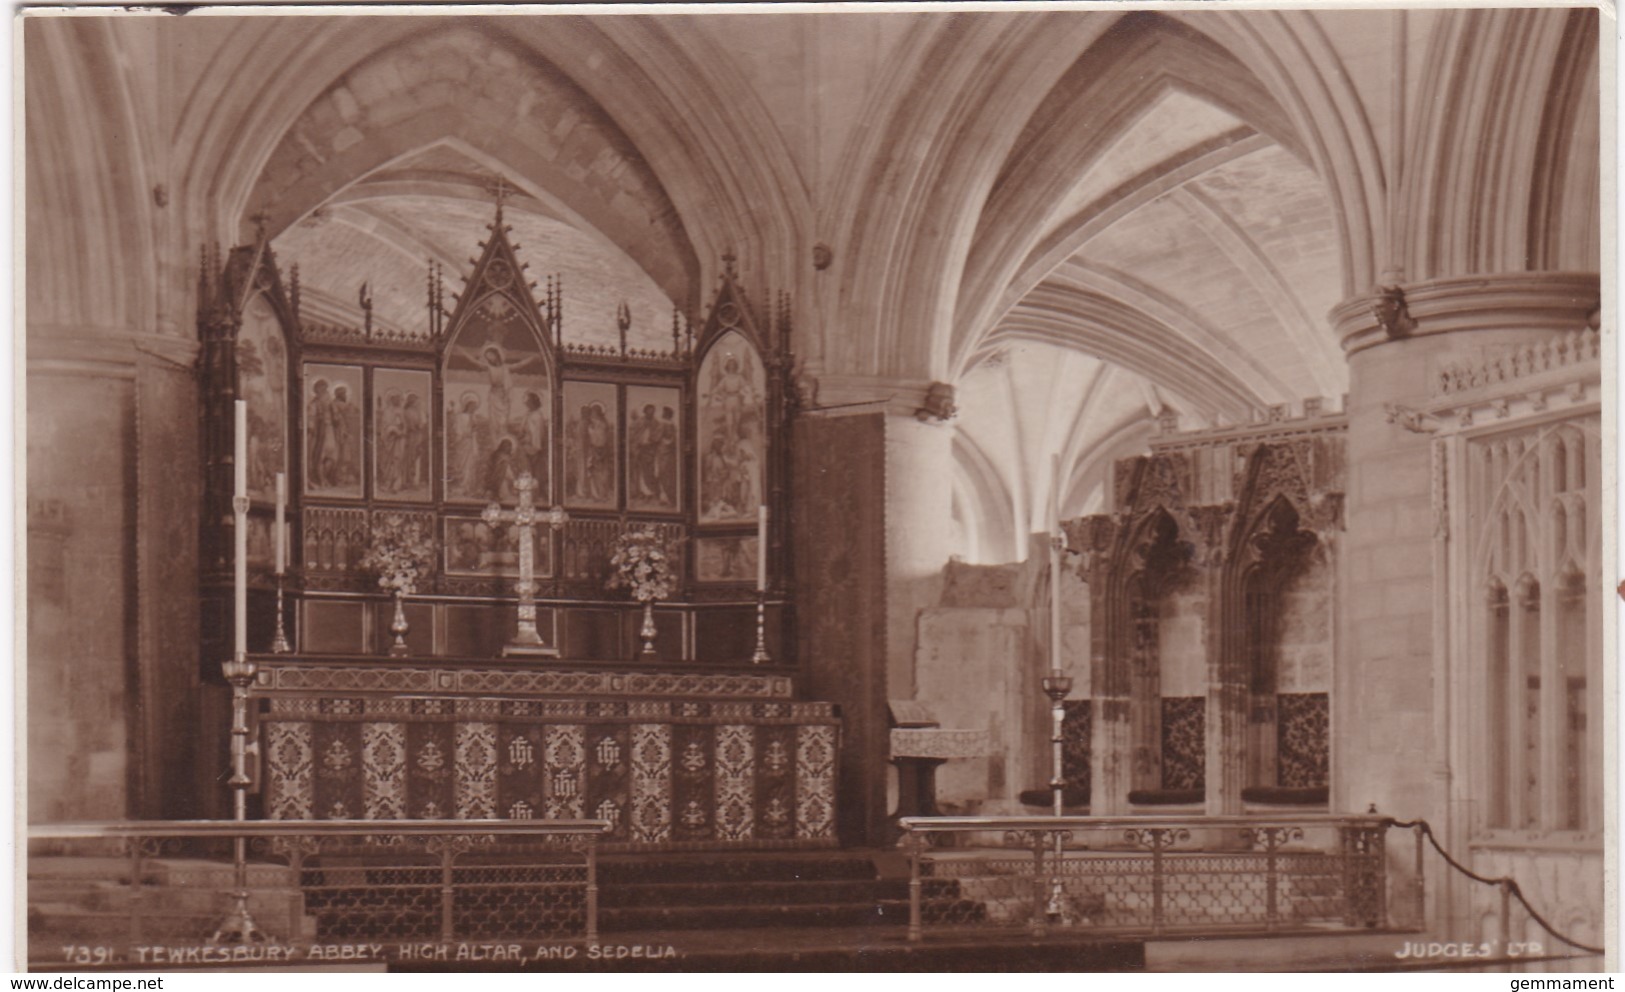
346	438
643	448
732	441
391	415
666	444
534	439
463	445
598	453
320	450
415	462
501	472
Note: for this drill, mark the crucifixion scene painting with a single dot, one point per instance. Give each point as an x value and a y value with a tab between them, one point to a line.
499	403
817	488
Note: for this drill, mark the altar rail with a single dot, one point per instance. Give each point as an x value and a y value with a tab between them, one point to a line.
1148	874
164	892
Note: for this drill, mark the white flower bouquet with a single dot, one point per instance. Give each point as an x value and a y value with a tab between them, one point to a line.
402	552
645	564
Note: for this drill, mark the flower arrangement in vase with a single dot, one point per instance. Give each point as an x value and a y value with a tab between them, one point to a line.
401	552
644	564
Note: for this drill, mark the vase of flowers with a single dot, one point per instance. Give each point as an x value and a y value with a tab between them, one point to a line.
402	552
643	564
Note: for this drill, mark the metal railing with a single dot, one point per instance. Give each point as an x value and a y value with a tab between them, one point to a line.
1147	874
120	886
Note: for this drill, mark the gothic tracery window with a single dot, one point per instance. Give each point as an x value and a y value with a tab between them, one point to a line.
1533	495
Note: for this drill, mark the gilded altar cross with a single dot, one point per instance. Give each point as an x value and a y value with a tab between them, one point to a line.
526	639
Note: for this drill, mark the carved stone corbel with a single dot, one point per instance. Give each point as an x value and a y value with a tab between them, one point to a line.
938	404
1411	419
1391	313
1211	525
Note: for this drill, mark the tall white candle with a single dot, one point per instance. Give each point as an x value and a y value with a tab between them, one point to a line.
239	454
1054	526
239	458
761	548
281	522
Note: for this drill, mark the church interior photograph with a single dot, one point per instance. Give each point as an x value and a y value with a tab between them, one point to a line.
1049	489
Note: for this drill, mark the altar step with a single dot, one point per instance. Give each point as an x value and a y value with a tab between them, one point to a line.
742	892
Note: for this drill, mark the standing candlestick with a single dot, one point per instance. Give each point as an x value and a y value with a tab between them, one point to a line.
760	655
279	638
1056	685
239	507
239	927
281	522
761	548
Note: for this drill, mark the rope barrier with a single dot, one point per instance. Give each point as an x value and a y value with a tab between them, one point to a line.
1509	884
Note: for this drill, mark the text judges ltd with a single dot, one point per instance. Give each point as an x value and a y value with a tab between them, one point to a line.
1461	949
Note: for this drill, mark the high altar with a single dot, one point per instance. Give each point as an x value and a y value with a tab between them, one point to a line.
513	682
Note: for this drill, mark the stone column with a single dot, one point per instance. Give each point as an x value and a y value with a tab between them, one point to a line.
1228	692
919	474
1389	690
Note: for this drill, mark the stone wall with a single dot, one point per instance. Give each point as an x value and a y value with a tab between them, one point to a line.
1304	632
1565	885
80	556
980	658
1182	636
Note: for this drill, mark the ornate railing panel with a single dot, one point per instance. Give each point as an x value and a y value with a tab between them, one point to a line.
1144	874
166	892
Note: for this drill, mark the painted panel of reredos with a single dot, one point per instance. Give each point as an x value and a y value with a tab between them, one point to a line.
592	427
654	431
262	370
400	434
732	443
332	430
498	407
